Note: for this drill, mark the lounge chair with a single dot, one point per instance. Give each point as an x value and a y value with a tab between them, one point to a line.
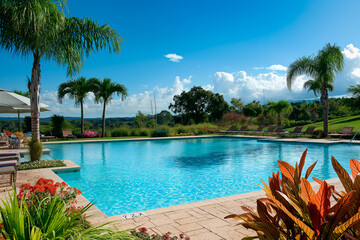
297	130
259	129
279	130
68	134
309	131
231	129
242	129
346	132
46	138
8	163
270	129
4	140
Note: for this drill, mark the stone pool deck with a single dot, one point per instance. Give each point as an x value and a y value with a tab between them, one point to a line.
197	220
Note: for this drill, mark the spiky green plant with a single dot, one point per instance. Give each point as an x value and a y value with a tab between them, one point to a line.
35	149
51	220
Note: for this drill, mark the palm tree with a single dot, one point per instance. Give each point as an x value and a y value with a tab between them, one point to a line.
104	91
76	90
278	108
322	69
40	29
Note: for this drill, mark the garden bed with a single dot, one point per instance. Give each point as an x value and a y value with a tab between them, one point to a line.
41	164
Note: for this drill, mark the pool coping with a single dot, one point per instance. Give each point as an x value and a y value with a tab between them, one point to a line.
259	138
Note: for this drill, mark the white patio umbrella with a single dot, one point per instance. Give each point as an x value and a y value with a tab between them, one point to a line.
11	102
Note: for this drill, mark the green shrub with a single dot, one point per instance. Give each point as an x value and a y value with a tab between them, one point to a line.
76	132
120	132
107	133
41	164
135	132
35	149
144	132
57	125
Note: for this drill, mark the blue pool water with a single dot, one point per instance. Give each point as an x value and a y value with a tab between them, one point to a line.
133	176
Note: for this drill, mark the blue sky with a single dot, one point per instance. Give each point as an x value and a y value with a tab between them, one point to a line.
226	46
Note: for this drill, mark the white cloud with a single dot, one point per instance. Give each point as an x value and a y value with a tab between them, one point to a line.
249	87
277	67
273	84
173	57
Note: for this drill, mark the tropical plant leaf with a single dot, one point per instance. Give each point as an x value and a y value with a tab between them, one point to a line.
306	190
309	170
355	167
302	161
287	170
340	230
343	175
319	207
307	230
317	180
339	211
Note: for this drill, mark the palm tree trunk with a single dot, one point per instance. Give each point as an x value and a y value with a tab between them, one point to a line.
325	107
34	89
82	116
279	119
103	121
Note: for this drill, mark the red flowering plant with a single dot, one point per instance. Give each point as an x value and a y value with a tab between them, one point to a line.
8	133
207	129
142	233
46	189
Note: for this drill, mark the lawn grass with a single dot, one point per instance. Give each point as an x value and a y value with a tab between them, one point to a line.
337	124
41	164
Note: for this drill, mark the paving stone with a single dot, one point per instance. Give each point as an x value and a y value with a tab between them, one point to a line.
213	223
206	236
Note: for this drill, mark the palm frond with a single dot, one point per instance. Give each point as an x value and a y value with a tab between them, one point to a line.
355	90
302	66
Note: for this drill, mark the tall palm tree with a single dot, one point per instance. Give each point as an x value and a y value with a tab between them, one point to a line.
104	91
322	69
76	90
40	29
279	108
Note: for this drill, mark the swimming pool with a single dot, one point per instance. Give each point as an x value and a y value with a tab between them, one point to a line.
131	176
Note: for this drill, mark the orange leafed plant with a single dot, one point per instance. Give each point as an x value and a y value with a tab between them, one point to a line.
293	210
